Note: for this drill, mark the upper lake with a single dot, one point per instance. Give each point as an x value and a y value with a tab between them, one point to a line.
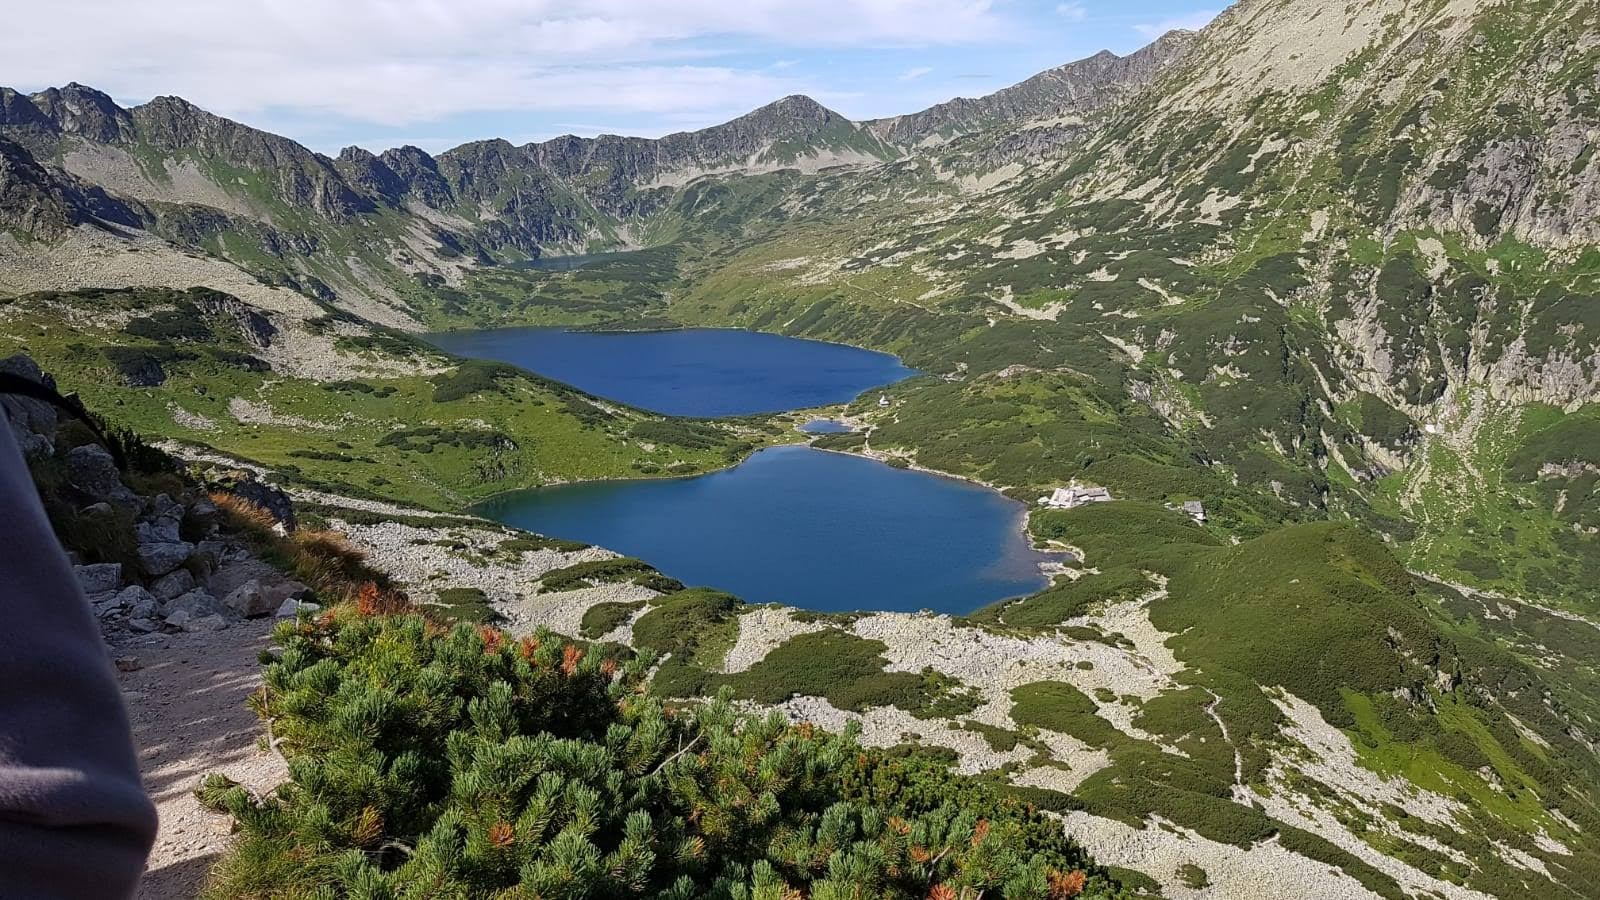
688	372
823	531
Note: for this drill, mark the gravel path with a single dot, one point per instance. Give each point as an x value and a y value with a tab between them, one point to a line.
187	705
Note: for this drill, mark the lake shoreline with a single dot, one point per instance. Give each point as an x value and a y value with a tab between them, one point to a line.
760	529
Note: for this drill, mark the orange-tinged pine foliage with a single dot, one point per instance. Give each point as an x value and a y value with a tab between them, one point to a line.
493	638
502	835
942	892
528	646
570	657
980	832
1063	886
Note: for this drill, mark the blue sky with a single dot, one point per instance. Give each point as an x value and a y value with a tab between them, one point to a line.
437	73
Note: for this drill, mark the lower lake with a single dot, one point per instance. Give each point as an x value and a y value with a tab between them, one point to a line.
809	528
688	372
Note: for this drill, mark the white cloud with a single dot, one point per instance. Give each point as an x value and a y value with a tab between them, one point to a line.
914	74
402	62
1189	22
1072	12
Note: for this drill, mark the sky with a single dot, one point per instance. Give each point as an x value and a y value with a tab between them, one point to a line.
438	73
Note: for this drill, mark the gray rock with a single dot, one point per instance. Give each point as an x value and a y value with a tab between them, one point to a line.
179	619
160	558
266	496
99	578
34	446
161	531
203	563
292	608
173	584
129	664
194	603
91	469
138	603
206	623
202	516
142	626
257	597
29	417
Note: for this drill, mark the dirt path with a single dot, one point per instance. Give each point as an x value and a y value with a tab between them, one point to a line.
187	705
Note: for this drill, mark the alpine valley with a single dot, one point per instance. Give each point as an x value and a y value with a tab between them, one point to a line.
1330	268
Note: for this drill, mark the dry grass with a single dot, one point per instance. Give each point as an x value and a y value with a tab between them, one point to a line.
325	560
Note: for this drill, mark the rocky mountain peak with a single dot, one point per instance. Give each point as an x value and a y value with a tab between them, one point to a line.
81	110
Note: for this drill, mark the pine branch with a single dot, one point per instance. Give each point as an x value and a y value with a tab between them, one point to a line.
681	751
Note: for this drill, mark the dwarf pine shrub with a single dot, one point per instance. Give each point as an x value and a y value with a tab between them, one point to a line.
459	762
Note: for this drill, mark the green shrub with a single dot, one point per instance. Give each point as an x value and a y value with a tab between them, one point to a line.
606	571
846	670
470	377
467	605
602	618
465	764
693	435
1058	706
1193	876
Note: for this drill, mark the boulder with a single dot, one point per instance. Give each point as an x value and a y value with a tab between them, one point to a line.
142	626
173	584
137	602
205	623
193	604
292	608
33	421
258	597
91	469
202	562
245	486
161	531
179	618
99	578
157	559
202	517
221	551
159	524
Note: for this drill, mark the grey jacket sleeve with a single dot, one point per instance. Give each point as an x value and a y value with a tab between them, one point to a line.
74	819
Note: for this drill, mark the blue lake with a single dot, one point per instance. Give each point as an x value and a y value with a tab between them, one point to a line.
689	372
809	528
825	426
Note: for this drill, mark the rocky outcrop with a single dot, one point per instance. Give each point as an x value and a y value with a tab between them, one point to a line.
32	422
46	203
169	566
